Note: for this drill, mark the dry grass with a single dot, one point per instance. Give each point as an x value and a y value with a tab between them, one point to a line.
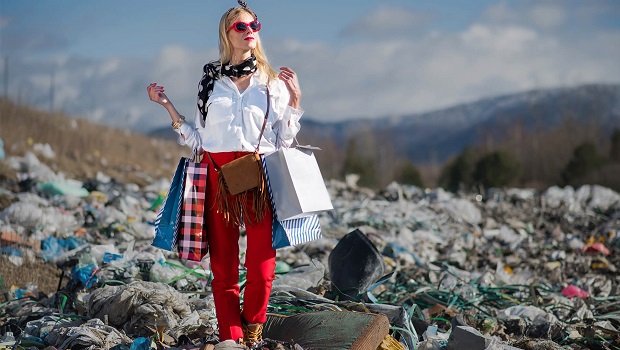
43	275
83	148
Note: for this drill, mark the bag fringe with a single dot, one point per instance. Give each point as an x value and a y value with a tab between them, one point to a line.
235	207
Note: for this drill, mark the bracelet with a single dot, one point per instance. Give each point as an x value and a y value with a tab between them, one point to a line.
177	124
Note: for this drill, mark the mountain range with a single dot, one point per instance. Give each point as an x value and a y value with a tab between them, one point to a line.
438	135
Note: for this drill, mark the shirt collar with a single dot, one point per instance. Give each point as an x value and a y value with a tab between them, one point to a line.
254	81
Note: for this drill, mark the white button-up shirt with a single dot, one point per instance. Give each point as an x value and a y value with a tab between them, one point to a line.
234	119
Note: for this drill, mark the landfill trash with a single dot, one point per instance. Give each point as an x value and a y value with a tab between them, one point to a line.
515	268
355	264
330	329
596	248
62	189
136	306
302	277
44	149
573	291
464	337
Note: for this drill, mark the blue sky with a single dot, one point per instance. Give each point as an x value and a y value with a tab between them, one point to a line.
355	59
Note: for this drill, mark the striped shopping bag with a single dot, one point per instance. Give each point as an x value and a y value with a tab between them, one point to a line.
193	243
291	232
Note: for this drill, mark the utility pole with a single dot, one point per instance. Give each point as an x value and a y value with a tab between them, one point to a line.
6	76
6	88
52	92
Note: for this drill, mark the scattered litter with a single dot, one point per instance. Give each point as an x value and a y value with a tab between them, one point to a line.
398	268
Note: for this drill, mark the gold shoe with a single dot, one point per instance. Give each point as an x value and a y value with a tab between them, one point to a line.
252	333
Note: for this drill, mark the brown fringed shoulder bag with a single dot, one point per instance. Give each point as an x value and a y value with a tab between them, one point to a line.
240	177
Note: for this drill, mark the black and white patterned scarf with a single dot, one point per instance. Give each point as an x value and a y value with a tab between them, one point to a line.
213	71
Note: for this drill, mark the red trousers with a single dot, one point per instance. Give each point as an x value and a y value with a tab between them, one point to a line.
260	260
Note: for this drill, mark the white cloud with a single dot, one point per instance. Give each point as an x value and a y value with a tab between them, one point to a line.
387	21
179	70
508	39
548	15
109	66
500	12
510	48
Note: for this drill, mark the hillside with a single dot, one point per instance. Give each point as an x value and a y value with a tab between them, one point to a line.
82	148
438	135
541	128
443	133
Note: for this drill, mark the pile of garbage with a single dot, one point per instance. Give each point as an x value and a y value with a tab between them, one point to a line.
399	268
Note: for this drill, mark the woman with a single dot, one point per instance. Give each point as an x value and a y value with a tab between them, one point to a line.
232	106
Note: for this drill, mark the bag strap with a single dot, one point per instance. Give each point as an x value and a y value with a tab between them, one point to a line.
261	131
265	121
217	168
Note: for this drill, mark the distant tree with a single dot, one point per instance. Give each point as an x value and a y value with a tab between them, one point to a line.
458	173
584	161
497	169
356	162
408	174
614	153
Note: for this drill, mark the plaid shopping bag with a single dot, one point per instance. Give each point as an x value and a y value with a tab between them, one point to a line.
193	243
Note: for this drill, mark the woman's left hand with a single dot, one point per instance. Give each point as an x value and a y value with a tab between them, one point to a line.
289	77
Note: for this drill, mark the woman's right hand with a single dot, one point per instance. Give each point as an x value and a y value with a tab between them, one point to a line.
156	94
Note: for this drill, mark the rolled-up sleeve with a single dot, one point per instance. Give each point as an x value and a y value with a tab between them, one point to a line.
287	125
188	133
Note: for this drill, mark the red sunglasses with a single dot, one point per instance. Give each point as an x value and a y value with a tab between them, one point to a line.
241	27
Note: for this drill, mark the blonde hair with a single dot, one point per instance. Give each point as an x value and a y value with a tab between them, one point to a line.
266	72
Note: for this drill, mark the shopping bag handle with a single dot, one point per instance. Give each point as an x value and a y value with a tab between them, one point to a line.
297	145
197	156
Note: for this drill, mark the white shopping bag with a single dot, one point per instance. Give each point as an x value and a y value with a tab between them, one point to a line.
297	186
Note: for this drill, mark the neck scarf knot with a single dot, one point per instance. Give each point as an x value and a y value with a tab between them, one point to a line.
213	71
246	67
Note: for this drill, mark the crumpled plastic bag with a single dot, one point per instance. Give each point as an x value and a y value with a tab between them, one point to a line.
138	306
